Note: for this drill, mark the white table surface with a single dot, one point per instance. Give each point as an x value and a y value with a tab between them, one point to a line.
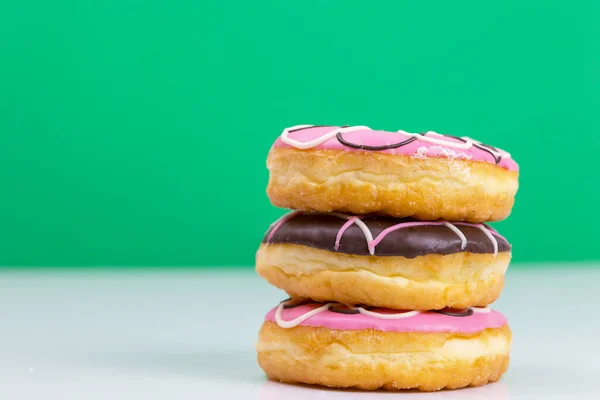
190	334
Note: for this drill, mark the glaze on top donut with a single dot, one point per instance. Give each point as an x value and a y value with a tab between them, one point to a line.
382	348
358	170
383	261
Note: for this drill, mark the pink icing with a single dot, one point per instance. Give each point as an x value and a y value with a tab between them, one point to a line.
279	223
341	232
417	148
423	322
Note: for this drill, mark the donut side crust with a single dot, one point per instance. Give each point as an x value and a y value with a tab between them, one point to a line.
397	185
370	360
427	282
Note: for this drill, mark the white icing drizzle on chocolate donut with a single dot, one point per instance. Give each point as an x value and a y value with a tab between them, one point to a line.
489	233
461	235
402	225
373	242
353	220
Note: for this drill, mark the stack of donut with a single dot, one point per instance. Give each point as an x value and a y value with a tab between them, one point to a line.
387	259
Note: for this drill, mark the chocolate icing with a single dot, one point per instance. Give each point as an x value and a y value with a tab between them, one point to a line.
458	313
343	141
296	304
320	231
342	310
487	148
481	146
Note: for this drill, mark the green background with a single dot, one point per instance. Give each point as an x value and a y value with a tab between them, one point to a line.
136	132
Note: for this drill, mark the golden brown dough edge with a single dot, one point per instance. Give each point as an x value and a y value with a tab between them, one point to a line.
397	185
371	360
428	282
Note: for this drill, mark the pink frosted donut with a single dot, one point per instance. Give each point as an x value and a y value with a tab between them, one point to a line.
358	170
366	348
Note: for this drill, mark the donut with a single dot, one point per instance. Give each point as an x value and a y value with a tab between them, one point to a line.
384	261
427	176
372	348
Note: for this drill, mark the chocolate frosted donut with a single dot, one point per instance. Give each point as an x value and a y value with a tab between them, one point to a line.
384	262
418	238
354	169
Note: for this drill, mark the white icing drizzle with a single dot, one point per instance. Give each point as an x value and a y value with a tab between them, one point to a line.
497	153
314	143
297	321
490	236
461	235
407	314
460	145
466	145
